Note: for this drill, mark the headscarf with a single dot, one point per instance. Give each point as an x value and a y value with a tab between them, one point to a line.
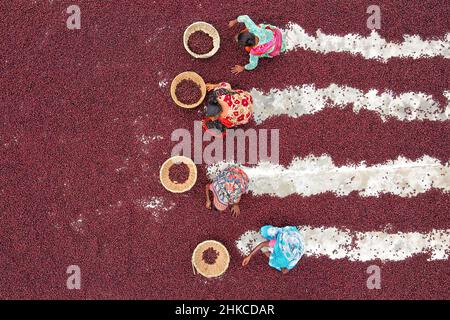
288	248
228	186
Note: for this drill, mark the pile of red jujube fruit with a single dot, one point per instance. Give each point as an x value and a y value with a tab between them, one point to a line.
210	255
179	173
188	92
200	42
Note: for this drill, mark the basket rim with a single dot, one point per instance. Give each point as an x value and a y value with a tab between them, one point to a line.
188	75
192	169
224	249
215	47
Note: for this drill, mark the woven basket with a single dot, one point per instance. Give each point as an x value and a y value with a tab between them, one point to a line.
210	270
174	186
207	28
188	75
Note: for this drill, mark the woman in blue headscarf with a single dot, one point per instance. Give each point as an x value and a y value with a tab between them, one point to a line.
284	247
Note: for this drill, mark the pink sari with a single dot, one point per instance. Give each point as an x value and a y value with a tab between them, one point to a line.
276	43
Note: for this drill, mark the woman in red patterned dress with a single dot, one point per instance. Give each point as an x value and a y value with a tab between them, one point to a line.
227	108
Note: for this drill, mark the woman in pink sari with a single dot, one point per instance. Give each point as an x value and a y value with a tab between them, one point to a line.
261	41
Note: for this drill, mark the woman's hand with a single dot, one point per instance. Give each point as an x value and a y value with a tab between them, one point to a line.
246	261
237	69
208	204
232	23
235	210
210	86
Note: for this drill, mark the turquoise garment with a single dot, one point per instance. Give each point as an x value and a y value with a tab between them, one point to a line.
263	35
288	248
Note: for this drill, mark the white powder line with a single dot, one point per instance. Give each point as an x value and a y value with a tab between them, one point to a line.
315	175
296	101
370	47
337	243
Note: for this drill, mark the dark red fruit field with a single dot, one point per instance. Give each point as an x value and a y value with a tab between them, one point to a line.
86	122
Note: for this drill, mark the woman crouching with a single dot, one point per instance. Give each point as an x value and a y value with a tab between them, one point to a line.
283	246
227	188
260	41
227	108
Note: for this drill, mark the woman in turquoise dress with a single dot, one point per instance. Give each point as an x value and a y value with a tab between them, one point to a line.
261	41
283	246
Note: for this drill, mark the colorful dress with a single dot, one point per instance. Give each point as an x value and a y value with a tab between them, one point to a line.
271	41
288	247
228	186
240	105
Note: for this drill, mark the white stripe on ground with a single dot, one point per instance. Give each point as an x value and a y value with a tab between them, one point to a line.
314	175
362	246
371	47
296	101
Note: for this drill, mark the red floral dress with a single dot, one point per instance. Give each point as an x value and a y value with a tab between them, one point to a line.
240	106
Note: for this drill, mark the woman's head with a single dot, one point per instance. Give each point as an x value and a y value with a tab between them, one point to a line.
246	39
213	109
